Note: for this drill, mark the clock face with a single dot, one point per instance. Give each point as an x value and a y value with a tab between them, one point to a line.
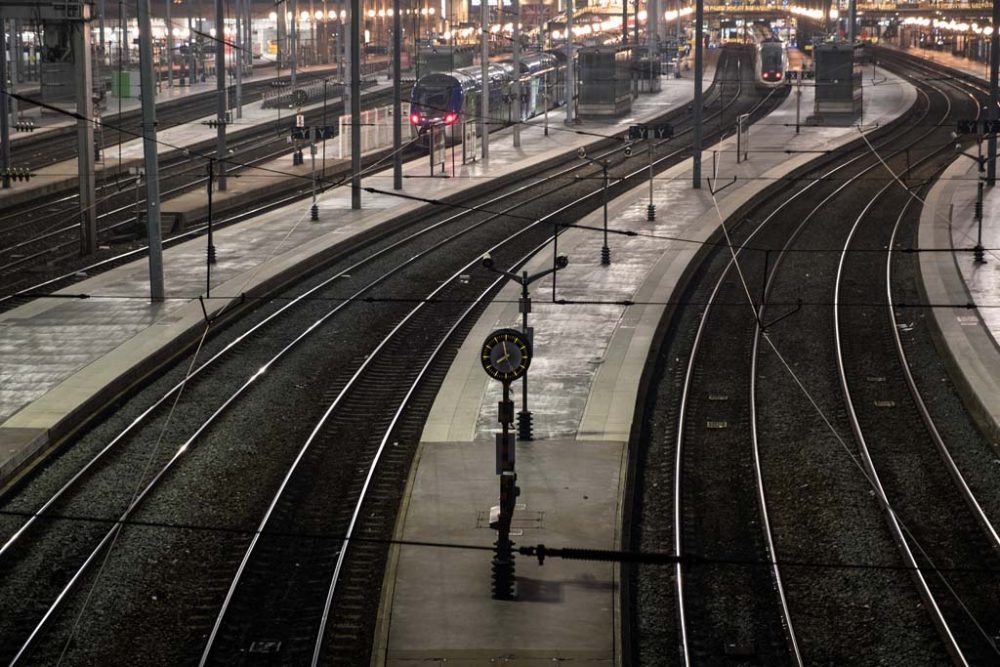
506	354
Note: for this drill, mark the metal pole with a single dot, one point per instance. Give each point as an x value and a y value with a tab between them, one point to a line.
192	56
314	211
281	34
699	24
991	146
85	133
524	416
210	249
4	112
238	57
484	108
570	65
323	172
624	22
149	152
979	256
605	251
680	35
102	12
517	75
852	18
220	87
170	46
355	59
651	210
293	33
397	104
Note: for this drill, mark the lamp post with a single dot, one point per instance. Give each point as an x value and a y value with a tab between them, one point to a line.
524	306
603	164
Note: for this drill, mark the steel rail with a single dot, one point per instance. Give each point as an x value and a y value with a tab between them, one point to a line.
988	528
937	616
678	518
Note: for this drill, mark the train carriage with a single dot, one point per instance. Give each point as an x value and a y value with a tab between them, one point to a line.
452	99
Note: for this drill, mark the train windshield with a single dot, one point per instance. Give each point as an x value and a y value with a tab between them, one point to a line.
433	95
770	57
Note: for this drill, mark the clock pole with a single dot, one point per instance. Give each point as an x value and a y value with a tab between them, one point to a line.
503	560
524	305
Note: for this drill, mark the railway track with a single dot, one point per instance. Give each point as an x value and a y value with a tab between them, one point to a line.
40	235
233	441
764	464
58	145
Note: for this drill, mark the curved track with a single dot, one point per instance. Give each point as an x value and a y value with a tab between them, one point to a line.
789	460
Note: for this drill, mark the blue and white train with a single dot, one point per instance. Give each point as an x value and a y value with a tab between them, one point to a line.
452	99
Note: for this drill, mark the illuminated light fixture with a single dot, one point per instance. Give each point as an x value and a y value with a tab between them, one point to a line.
304	16
381	13
450	118
432	11
642	15
834	13
332	15
273	16
415	119
319	14
371	13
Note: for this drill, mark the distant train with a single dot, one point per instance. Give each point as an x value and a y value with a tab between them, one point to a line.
452	99
770	62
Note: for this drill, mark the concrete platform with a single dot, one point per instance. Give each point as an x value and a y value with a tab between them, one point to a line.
584	383
969	334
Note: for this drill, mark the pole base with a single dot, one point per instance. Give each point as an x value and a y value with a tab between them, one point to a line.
314	213
605	255
502	572
651	213
211	255
979	254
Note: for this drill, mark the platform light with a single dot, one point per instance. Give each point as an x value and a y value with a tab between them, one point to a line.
381	13
371	13
273	16
332	14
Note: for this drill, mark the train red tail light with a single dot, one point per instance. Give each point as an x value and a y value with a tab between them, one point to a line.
415	119
450	118
765	75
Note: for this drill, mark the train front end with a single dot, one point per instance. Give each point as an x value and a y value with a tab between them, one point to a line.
436	102
772	61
